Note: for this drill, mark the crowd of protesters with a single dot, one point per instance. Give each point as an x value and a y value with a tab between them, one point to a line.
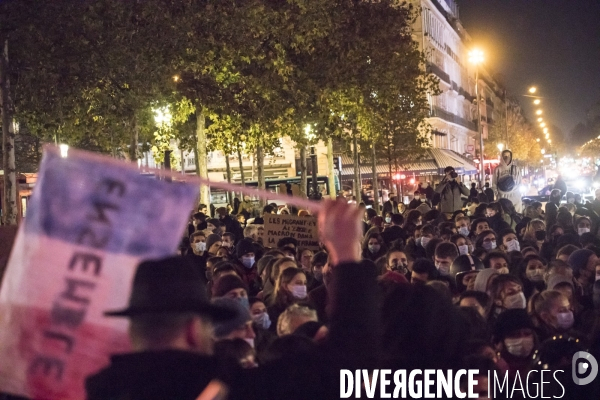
469	285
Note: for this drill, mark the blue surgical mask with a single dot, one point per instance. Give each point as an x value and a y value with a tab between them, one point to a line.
489	245
463	230
248	262
262	320
424	241
244	301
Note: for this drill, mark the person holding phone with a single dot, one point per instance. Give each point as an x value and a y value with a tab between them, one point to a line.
450	191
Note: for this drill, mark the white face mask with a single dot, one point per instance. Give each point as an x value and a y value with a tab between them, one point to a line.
464	249
298	291
374	248
520	347
250	342
443	269
388	220
513	245
565	320
489	245
535	275
200	247
424	241
581	231
262	320
463	230
515	301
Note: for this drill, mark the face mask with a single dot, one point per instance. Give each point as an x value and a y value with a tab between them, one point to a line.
571	201
298	291
581	231
515	301
463	230
250	342
423	200
388	220
444	270
248	262
318	275
513	245
489	245
565	320
464	249
417	197
424	241
200	247
244	301
521	347
536	275
262	320
540	235
374	248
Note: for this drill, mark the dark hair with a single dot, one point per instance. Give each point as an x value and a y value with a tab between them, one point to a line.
268	209
319	258
221	268
431	246
446	250
476	222
196	234
427	229
412	217
282	295
229	235
456	237
289	347
397	219
496	207
232	350
564	219
498	284
566	250
481	297
371	213
422	266
495	254
482	235
505	232
477	326
478	252
285	241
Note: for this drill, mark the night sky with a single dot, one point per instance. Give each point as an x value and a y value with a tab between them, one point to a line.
552	44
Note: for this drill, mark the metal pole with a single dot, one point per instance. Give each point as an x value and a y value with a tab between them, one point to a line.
480	131
314	186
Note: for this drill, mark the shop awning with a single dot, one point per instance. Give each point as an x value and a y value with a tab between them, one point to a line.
426	167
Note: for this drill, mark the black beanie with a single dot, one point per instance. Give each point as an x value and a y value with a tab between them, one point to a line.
244	246
226	283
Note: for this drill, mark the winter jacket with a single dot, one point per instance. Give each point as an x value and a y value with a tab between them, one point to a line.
506	168
450	195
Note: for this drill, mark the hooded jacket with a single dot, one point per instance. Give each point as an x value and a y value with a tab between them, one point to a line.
450	195
506	168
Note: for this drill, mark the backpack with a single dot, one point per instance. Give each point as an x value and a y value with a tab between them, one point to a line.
507	183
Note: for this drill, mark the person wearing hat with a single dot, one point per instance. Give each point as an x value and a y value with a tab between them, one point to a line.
171	332
238	327
246	265
516	340
464	270
213	243
231	287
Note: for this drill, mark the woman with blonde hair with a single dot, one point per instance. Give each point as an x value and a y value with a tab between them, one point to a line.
535	233
552	313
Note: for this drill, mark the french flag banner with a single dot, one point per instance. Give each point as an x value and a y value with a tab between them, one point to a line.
90	221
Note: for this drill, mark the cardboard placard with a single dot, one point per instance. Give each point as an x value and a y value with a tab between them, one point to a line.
303	229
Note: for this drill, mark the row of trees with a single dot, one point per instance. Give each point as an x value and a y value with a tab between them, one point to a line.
232	72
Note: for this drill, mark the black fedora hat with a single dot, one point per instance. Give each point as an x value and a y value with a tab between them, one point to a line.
170	285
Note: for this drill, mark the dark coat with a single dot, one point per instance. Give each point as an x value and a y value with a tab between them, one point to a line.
450	195
393	233
233	226
157	375
497	223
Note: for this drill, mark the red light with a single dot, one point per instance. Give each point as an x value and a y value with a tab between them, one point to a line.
402	176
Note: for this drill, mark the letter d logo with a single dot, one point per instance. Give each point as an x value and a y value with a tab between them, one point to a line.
582	361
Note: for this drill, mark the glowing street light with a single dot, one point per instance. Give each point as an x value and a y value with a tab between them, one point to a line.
539	112
545	130
537	140
476	58
543	124
540	119
532	89
176	78
162	117
64	150
500	147
537	101
543	151
549	141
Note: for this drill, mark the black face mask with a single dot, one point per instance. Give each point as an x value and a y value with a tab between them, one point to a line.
555	238
540	235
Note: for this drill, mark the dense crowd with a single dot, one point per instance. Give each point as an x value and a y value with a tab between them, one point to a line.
467	284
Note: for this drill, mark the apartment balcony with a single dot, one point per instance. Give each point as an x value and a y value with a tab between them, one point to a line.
455	87
434	69
465	94
455	119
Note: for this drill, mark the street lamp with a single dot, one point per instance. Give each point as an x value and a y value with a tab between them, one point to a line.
539	112
537	101
545	130
500	147
543	151
476	58
543	124
537	140
532	89
540	119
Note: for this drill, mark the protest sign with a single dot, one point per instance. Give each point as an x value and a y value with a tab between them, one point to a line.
303	229
90	221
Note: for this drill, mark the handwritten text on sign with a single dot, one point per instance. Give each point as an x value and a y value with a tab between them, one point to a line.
303	229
